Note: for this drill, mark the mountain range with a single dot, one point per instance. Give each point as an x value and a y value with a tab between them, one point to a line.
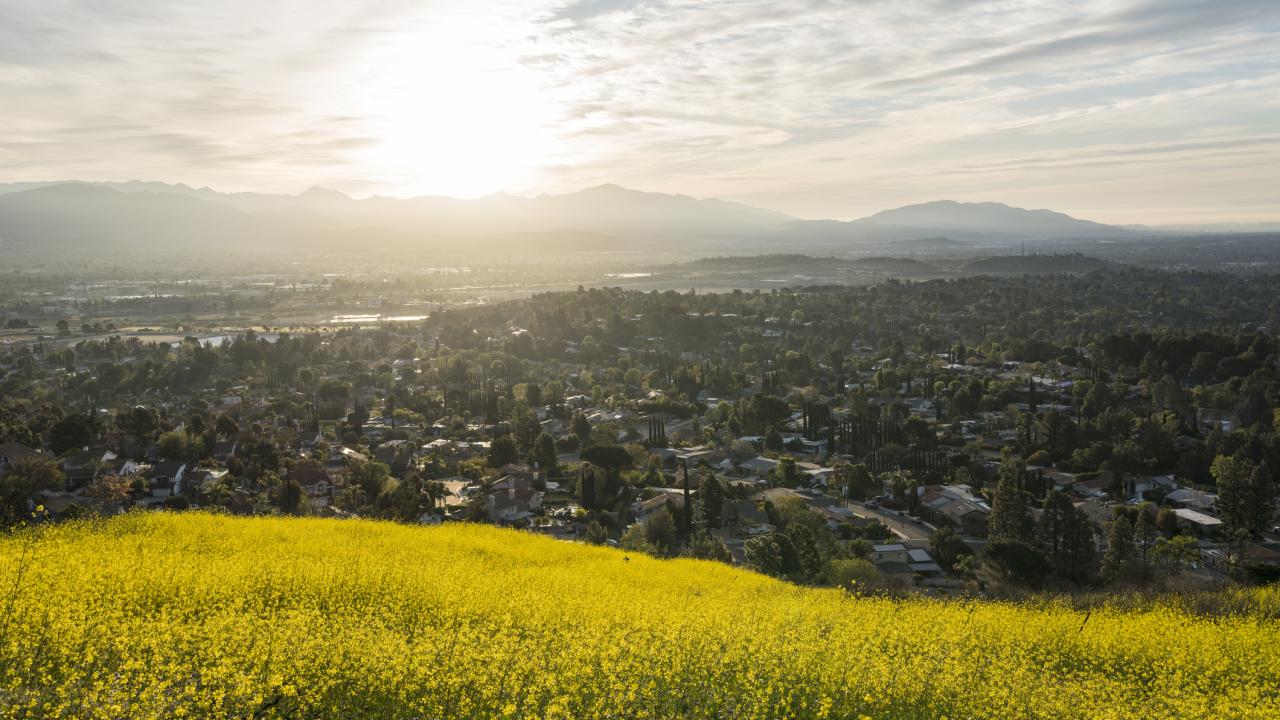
139	216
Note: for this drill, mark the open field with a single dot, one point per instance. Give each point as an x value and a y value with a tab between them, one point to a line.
170	615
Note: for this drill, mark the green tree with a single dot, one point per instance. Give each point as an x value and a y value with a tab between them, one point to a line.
141	423
636	539
1010	519
1015	561
1246	494
705	546
177	445
1169	556
290	496
72	432
660	530
763	555
582	428
854	575
226	428
786	473
371	477
712	495
502	451
20	484
596	534
1117	561
543	454
948	547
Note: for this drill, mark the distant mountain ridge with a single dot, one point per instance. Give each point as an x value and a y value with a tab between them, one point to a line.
135	215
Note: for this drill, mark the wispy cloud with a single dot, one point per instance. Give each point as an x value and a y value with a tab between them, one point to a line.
1120	110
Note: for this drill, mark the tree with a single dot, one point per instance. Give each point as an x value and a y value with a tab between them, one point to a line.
502	451
948	547
773	439
177	503
24	479
477	512
610	458
72	432
226	428
581	427
705	546
141	423
177	445
636	539
1170	556
1010	518
660	530
853	481
1117	561
1246	494
262	457
786	472
712	501
543	454
290	496
1017	562
763	555
854	575
370	477
1064	531
808	558
587	489
596	534
109	489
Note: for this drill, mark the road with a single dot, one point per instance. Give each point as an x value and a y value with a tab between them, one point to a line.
901	525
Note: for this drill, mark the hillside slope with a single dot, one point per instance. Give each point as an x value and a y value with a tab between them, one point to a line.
166	615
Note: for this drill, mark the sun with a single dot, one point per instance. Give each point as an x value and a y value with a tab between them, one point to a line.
455	116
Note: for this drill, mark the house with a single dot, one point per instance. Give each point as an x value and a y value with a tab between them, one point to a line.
82	467
969	517
644	509
919	561
512	500
818	476
759	465
395	454
968	512
315	483
120	466
166	478
694	455
816	448
1199	523
342	456
1191	499
890	552
891	558
11	453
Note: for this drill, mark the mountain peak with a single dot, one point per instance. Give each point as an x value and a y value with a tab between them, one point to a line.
319	193
992	218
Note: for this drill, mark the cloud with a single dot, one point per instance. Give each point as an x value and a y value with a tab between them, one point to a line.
816	107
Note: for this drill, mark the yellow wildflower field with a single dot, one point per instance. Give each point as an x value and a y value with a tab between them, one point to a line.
191	615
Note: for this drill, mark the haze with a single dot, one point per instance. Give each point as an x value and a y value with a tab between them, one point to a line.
1138	111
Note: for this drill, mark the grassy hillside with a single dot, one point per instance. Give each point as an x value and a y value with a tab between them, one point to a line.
163	615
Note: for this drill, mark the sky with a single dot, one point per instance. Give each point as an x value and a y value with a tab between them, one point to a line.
1124	111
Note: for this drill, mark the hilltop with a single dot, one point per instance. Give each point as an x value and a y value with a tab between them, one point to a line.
103	218
165	615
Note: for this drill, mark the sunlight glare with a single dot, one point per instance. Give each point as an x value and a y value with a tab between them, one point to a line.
457	117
